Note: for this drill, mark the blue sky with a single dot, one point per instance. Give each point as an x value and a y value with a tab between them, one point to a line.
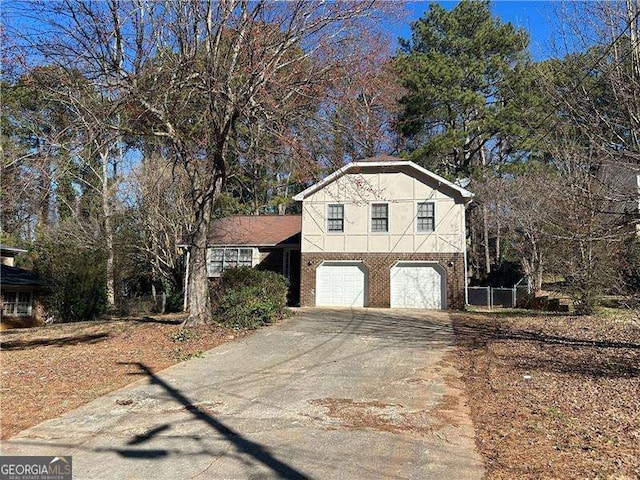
536	17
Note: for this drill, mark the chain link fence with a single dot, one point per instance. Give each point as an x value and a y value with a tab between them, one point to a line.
517	296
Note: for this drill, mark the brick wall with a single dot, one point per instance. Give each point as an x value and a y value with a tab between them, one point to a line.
36	319
379	271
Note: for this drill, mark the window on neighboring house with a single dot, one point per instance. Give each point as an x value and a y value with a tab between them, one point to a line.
335	218
379	217
17	303
221	259
426	217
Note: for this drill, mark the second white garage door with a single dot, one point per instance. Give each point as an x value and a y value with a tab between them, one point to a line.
340	285
417	285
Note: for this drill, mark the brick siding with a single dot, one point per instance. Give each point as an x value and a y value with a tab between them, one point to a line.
379	272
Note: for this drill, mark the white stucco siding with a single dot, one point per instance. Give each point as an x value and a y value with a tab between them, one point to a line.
402	192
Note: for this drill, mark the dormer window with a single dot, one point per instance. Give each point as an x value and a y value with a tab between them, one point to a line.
335	218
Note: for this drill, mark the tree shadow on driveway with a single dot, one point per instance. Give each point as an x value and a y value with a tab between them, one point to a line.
246	452
243	445
409	328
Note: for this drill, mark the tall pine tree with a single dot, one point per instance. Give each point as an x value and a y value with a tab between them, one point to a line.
465	73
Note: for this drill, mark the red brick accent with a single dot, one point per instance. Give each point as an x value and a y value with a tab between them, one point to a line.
379	271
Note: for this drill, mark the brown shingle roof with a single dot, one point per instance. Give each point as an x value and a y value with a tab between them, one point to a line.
256	230
381	158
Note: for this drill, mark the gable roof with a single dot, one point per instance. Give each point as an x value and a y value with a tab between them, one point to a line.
381	158
19	277
256	230
382	161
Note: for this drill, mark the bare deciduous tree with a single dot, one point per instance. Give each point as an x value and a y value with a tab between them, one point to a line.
188	72
158	202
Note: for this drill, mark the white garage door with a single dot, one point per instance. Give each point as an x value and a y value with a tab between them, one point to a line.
415	285
340	285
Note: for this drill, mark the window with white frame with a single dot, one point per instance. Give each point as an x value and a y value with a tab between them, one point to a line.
17	303
335	218
221	259
426	217
379	217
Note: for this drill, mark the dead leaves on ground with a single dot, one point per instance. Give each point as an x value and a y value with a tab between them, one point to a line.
49	370
553	396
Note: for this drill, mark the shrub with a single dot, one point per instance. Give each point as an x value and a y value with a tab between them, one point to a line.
76	277
631	274
250	298
175	301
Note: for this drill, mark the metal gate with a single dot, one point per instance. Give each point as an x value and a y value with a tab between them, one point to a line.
516	296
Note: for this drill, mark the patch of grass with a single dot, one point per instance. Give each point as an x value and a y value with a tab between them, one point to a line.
617	314
184	335
182	356
555	412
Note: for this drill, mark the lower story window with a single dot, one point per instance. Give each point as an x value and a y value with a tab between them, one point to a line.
221	259
286	263
17	303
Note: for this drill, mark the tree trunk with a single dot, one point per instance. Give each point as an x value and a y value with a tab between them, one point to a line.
474	249
632	16
485	220
199	301
633	7
537	270
45	195
498	238
485	234
198	298
108	231
111	297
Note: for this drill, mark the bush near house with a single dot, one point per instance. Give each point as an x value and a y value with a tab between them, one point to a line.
250	298
76	275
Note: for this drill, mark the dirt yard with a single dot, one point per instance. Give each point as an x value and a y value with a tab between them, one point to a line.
47	371
553	396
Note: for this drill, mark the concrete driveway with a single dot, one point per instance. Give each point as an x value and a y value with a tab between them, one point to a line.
328	393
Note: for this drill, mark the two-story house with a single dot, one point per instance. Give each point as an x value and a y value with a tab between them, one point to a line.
381	232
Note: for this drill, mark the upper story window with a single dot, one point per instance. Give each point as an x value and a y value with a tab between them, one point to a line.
379	217
16	303
426	217
335	218
221	259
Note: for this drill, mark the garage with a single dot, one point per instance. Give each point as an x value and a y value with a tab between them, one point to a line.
341	284
418	285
